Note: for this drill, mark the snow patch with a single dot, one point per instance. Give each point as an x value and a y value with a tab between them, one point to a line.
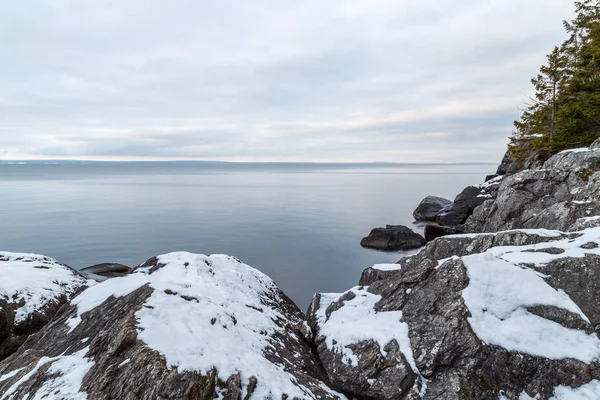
498	295
69	371
589	391
35	280
387	267
357	321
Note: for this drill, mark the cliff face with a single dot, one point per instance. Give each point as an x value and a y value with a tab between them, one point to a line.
508	311
563	190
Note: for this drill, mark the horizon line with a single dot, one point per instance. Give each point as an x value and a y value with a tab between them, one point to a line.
184	161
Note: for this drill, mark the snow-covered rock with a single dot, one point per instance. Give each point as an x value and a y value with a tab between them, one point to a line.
183	326
485	316
32	289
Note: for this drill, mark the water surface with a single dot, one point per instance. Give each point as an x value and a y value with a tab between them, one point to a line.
299	223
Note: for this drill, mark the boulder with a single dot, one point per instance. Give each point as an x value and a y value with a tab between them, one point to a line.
511	315
378	272
181	326
102	272
430	207
32	290
393	238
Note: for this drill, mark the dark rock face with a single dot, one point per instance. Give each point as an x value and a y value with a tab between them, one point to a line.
32	290
149	338
426	300
102	272
509	165
393	238
433	231
430	207
462	208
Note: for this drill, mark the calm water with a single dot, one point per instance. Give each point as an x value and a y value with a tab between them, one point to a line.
300	224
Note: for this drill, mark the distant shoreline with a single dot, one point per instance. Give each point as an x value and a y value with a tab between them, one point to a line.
71	162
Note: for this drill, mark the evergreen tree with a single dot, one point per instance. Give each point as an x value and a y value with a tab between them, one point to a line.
565	111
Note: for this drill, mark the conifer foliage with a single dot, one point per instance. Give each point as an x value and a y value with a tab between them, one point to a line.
565	111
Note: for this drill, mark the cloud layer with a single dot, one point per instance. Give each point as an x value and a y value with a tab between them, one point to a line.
269	80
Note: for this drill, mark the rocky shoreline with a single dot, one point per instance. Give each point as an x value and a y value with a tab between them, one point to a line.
502	302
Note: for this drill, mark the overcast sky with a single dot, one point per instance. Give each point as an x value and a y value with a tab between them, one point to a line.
269	80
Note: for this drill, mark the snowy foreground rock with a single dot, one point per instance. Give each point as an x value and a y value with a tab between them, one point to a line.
32	289
181	326
490	316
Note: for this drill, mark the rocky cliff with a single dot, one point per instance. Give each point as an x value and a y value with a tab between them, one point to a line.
510	310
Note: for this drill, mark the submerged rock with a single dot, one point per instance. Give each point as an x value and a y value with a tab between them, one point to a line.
393	238
430	207
182	326
470	317
32	290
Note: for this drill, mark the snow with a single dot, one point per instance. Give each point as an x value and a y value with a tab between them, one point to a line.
578	150
387	267
125	362
358	321
10	375
35	280
498	295
225	322
69	371
492	182
590	391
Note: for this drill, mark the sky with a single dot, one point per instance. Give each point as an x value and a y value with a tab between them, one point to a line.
269	80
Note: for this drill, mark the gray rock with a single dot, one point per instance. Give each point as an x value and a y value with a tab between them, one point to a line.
110	361
371	275
430	207
554	197
32	290
393	238
595	145
428	290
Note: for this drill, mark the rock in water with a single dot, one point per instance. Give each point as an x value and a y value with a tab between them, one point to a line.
32	289
595	145
393	238
181	326
430	207
102	272
512	315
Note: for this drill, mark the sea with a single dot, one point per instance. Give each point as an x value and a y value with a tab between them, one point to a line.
301	224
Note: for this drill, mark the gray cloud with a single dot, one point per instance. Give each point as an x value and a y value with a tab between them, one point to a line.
341	80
